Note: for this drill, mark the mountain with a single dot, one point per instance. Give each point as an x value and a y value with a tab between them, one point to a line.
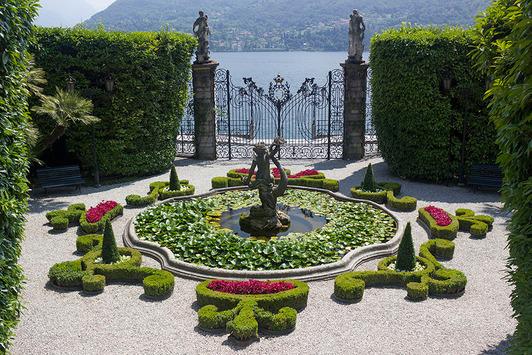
282	24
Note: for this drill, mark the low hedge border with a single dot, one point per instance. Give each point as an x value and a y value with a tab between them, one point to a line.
96	227
477	225
244	315
156	190
62	219
448	232
86	243
387	196
84	273
434	280
164	193
322	183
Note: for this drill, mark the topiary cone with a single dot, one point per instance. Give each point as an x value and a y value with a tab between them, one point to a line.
369	183
110	253
174	180
406	256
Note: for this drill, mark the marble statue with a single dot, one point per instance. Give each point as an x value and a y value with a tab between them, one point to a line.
356	37
266	220
201	31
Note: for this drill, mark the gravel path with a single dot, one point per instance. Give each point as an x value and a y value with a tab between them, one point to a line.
119	321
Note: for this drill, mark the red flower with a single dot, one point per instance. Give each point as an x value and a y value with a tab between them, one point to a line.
440	216
94	214
242	171
308	172
249	287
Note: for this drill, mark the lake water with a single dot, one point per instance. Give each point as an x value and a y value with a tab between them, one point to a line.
293	66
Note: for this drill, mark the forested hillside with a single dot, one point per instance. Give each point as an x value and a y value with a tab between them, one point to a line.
281	24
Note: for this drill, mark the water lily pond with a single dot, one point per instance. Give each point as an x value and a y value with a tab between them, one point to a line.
189	229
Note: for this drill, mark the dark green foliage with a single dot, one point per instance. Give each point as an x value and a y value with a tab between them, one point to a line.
110	253
244	326
159	283
504	53
377	197
66	274
61	219
16	18
419	124
219	182
160	190
86	243
174	180
140	117
406	255
369	184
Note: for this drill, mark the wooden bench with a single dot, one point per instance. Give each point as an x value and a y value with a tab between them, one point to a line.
488	176
59	176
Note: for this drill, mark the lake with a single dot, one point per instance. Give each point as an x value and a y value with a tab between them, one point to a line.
293	66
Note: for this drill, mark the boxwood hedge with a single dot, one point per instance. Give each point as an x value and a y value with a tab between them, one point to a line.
140	117
419	124
16	34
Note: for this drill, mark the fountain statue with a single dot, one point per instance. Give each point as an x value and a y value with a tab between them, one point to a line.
266	219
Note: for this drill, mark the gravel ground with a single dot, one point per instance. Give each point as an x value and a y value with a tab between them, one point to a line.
120	321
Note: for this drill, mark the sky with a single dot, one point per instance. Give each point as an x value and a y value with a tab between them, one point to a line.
67	13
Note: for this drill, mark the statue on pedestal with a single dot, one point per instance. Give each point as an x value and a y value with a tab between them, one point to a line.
356	37
266	220
201	31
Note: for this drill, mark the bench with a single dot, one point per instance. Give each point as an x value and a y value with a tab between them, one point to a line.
59	176
487	176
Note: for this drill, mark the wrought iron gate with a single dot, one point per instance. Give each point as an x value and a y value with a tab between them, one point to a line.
310	120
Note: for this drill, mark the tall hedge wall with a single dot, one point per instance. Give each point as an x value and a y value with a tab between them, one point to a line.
140	117
505	53
16	17
419	124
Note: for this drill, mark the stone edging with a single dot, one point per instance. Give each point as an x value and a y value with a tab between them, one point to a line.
321	272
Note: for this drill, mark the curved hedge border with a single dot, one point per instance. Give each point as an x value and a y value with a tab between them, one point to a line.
465	221
159	190
243	315
84	273
88	227
62	219
387	196
433	280
319	180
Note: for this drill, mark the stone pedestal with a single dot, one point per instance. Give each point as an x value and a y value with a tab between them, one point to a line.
204	110
355	84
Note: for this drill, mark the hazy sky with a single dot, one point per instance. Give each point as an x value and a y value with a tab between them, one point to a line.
100	4
69	12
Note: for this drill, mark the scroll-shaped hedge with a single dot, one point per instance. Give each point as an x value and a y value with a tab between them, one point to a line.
448	232
477	225
243	315
159	190
387	195
96	227
62	219
433	280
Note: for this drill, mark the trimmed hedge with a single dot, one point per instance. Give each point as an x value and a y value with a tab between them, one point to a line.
321	183
448	232
244	315
387	196
16	29
86	243
294	298
419	124
437	248
159	190
503	52
377	196
96	227
433	280
477	225
403	204
150	72
61	219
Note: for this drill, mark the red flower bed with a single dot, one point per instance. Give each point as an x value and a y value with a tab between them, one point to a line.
242	171
440	216
249	287
308	172
94	214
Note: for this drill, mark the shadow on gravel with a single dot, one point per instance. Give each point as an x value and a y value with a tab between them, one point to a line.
498	349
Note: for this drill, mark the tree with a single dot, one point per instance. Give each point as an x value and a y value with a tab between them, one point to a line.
406	256
110	253
369	183
66	109
174	180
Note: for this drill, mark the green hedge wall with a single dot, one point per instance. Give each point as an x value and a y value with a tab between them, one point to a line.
140	117
419	125
504	52
16	18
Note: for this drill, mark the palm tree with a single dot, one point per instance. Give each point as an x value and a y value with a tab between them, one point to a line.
66	108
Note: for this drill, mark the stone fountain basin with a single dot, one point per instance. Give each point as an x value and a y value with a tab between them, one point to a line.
321	272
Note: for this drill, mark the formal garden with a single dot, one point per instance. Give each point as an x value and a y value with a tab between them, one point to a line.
400	252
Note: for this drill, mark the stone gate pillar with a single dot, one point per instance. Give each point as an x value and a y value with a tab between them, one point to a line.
355	84
204	110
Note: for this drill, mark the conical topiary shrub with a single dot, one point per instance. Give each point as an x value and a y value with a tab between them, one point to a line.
110	253
174	180
369	183
406	256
